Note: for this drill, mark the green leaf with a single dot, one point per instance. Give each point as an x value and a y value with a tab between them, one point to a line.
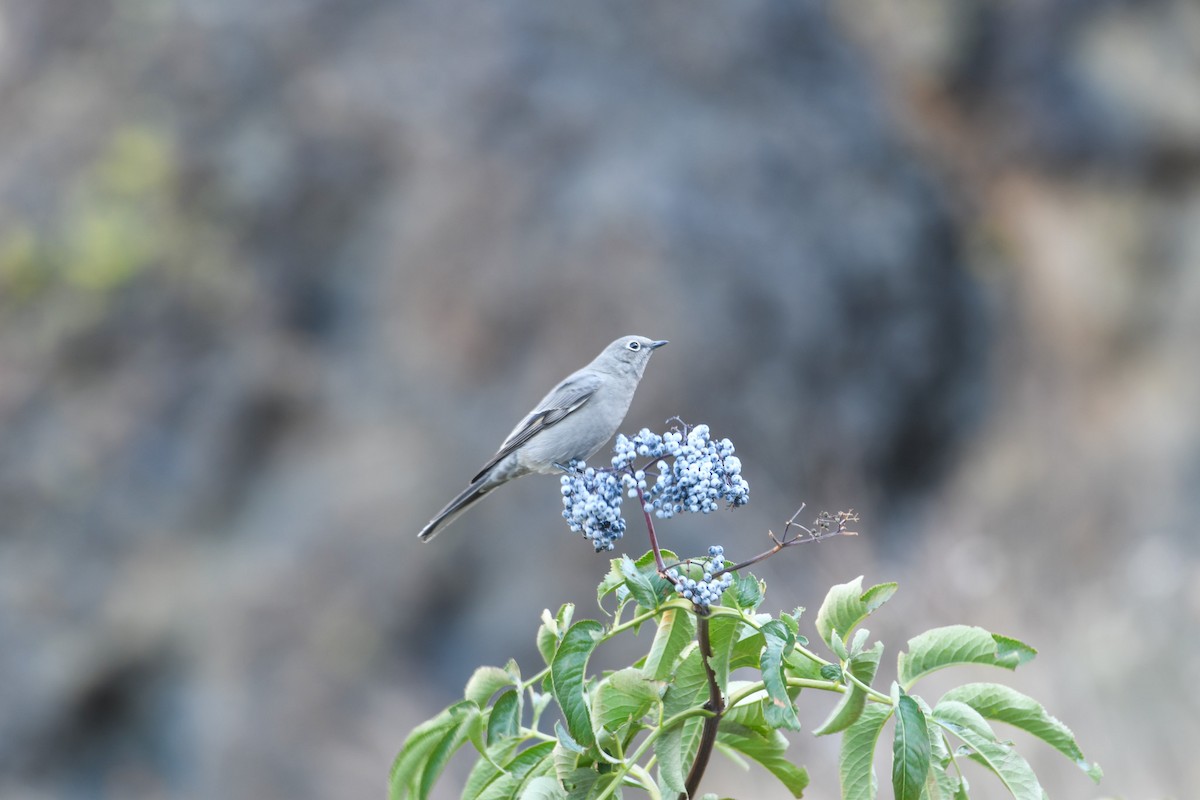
939	784
799	664
723	633
768	750
505	719
547	643
748	713
522	769
856	761
425	752
564	738
969	726
688	690
646	559
863	666
958	644
831	672
745	594
586	784
997	702
551	630
626	695
668	749
488	768
838	646
614	578
676	628
846	605
567	677
747	649
781	713
910	750
543	788
639	585
538	702
484	683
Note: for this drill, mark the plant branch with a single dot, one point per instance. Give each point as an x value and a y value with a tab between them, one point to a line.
826	527
715	704
645	746
658	559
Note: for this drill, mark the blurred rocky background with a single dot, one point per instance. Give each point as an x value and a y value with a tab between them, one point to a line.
277	277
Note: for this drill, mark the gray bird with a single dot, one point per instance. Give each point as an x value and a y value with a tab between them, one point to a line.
573	421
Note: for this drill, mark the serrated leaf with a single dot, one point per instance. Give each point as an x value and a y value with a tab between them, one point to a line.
781	713
566	612
543	788
587	784
838	646
997	702
547	637
846	605
427	749
746	593
769	751
520	770
564	739
488	768
910	750
538	703
688	687
940	784
567	677
476	732
749	712
958	644
484	683
668	749
746	649
688	690
614	578
856	760
647	558
639	585
800	665
863	666
968	725
626	695
723	633
505	719
676	628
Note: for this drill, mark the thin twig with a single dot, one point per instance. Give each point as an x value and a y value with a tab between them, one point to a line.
658	559
828	526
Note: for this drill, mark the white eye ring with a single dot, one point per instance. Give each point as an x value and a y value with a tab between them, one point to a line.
634	344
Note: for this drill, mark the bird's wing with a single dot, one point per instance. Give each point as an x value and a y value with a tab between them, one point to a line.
565	399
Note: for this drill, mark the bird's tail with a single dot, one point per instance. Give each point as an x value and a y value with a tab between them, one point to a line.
465	499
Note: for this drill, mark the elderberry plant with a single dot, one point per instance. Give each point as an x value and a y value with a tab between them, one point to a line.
652	726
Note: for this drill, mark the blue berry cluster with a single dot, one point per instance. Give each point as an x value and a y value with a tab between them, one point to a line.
592	504
708	590
701	474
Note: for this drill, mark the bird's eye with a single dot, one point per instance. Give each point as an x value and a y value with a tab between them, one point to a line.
634	344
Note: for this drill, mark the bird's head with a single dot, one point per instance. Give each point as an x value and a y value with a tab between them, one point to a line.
631	353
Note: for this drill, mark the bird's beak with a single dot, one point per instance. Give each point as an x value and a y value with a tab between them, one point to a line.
658	344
